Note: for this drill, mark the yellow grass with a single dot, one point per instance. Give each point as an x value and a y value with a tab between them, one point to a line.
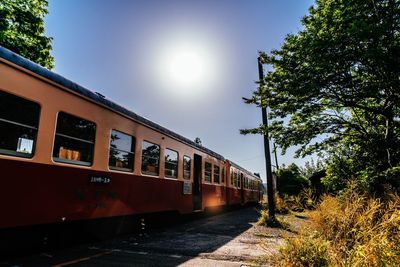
351	230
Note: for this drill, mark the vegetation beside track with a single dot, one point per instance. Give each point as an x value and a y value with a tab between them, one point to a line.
349	229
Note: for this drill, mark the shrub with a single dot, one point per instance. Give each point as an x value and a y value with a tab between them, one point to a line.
290	180
304	200
304	250
355	229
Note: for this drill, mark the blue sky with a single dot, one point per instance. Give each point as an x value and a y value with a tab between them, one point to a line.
127	50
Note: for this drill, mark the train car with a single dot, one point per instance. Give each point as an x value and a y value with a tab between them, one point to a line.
69	154
244	187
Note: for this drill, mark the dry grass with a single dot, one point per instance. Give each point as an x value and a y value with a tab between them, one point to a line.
350	230
287	204
310	250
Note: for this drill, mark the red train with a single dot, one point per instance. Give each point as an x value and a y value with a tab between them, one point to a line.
68	154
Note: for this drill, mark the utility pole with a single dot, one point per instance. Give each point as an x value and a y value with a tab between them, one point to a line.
276	158
270	187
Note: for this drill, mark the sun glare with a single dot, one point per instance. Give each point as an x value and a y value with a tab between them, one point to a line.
186	68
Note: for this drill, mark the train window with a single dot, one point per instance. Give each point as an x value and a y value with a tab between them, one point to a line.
216	174
223	175
171	163
150	158
74	140
207	172
232	177
19	121
236	180
122	149
186	167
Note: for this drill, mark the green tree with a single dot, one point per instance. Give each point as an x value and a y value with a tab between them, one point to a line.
22	29
290	181
311	167
335	86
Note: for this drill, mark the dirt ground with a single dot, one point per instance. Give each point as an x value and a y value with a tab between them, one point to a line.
228	239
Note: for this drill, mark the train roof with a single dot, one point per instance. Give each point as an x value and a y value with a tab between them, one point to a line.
97	98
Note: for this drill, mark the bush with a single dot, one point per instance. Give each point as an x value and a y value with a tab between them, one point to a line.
351	229
290	181
304	200
304	250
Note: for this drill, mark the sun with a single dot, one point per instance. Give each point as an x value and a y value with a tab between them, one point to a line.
185	68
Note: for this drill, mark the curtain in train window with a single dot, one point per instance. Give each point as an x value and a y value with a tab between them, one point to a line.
19	122
171	163
150	158
122	149
216	174
74	140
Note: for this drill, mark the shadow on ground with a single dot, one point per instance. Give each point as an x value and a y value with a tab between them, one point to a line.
171	245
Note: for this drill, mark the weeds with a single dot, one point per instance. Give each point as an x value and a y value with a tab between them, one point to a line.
298	203
349	230
265	220
304	250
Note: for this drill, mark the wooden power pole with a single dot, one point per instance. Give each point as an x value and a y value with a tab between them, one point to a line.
270	187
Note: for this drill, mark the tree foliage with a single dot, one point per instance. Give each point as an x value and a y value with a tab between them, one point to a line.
22	30
311	167
290	180
335	85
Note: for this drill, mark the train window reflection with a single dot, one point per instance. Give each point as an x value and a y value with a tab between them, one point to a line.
19	121
171	163
150	158
122	147
186	167
207	172
216	174
74	140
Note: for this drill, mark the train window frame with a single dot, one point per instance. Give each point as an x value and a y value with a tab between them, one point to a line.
183	167
91	152
132	153
218	174
156	173
33	128
210	172
165	163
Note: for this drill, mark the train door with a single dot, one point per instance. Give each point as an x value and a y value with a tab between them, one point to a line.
197	198
241	188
